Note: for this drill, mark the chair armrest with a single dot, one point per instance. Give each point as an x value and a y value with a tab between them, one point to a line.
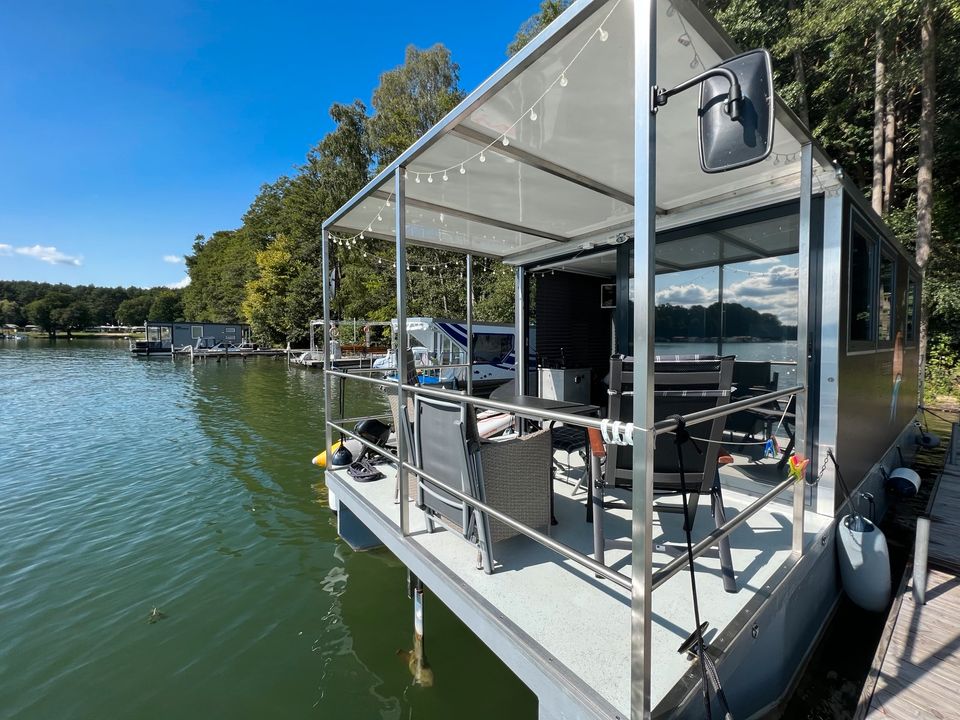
597	448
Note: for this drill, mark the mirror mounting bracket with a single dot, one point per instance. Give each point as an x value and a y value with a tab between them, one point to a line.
734	96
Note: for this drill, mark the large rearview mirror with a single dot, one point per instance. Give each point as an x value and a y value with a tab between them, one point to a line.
731	136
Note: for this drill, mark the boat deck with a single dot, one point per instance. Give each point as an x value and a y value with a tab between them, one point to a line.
916	673
552	621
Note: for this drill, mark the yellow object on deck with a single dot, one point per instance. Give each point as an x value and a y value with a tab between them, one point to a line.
321	459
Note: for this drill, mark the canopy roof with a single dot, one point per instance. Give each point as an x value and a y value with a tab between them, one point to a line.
538	161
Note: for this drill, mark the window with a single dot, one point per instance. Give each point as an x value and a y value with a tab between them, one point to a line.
230	331
491	347
912	307
196	331
887	298
863	270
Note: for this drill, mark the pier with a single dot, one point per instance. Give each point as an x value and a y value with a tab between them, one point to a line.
916	670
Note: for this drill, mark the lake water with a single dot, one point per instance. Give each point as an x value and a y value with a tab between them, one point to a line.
131	484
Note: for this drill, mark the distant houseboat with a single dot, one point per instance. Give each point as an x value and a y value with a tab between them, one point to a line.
162	338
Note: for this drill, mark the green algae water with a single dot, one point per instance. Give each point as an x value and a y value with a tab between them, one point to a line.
128	485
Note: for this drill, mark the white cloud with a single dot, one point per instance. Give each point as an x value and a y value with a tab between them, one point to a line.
6	249
173	259
48	254
773	291
686	295
182	284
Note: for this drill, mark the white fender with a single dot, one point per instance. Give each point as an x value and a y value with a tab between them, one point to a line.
864	563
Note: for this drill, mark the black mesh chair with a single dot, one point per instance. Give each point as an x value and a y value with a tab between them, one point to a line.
683	384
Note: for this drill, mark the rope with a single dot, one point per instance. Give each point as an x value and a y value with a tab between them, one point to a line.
926	410
681	437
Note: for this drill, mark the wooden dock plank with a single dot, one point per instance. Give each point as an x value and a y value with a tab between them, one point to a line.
917	667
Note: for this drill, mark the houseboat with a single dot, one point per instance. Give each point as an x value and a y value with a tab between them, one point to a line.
577	164
163	338
441	345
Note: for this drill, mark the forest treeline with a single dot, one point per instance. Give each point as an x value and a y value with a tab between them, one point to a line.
69	308
873	79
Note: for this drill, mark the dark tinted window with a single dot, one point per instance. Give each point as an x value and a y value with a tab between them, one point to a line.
887	294
863	265
491	347
912	306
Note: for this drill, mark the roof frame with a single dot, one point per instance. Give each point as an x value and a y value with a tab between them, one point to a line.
531	52
473	217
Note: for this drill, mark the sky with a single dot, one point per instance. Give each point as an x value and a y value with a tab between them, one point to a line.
129	127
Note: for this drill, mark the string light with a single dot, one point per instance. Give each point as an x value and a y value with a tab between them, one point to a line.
530	112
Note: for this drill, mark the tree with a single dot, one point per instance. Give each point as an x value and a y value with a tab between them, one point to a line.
75	316
549	11
166	306
134	311
411	99
271	305
220	268
10	312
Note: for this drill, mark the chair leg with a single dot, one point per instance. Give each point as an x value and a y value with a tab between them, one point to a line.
726	560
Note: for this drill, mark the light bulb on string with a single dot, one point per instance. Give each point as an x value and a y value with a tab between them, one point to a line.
405	175
695	61
462	169
379	217
603	34
505	141
483	158
533	114
387	204
445	177
430	178
684	40
418	177
441	217
563	79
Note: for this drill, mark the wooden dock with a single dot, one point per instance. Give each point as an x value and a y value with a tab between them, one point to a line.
916	671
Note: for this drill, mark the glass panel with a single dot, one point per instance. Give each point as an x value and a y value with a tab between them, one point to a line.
760	319
153	334
165	333
888	279
863	252
911	308
196	331
687	312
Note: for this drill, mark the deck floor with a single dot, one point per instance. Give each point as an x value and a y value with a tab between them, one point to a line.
584	622
918	671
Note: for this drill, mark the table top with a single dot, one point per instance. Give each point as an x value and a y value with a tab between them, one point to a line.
538	403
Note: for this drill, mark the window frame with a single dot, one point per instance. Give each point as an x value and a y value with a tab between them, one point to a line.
858	223
911	325
889	254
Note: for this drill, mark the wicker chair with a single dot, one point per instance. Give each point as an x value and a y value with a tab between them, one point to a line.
511	475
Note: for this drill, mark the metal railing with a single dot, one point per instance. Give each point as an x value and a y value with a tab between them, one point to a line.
664	426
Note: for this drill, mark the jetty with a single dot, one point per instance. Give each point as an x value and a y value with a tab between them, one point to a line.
916	670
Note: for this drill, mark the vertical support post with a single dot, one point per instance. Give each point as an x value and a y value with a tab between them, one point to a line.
623	320
644	267
325	254
469	324
804	344
920	552
521	328
400	204
719	306
313	341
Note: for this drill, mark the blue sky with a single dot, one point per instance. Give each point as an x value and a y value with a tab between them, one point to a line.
126	128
